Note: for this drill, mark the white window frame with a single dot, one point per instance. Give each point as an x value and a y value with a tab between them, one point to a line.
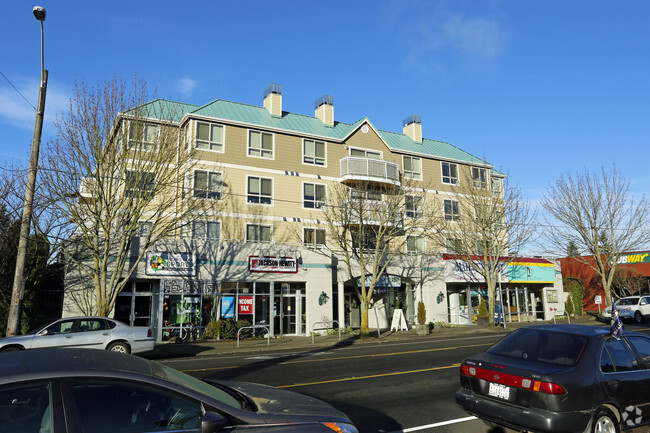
450	179
455	241
313	159
478	180
454	215
315	231
317	204
416	210
261	150
144	228
419	244
206	226
210	142
150	185
379	153
143	143
260	226
412	174
498	190
259	195
196	193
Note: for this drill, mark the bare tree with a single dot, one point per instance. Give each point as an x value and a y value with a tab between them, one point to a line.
116	173
597	212
485	226
368	227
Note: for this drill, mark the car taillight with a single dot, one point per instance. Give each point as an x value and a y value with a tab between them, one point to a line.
548	388
149	333
466	370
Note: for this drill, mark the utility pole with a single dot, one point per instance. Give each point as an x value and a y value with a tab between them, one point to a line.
19	277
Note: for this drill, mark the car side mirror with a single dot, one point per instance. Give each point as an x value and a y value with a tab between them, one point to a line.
43	332
213	422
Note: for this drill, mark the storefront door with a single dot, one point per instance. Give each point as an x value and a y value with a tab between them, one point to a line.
289	306
133	304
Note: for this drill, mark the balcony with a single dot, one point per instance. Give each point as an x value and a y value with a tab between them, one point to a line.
371	170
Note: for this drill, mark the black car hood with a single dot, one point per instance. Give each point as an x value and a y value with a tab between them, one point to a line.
281	406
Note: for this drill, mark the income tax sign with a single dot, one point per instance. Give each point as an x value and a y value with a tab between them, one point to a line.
245	305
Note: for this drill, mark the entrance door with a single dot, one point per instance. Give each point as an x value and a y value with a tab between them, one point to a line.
288	311
133	304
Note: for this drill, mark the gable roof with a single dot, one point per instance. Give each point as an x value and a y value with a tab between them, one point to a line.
312	126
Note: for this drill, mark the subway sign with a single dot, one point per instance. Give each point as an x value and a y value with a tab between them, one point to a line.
629	259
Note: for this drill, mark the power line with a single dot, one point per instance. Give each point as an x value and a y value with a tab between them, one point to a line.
12	85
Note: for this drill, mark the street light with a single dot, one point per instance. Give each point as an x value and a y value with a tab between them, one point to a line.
19	277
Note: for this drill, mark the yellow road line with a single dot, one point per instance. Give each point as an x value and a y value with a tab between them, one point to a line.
377	355
396	373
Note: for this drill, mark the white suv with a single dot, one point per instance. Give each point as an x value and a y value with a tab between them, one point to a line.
630	307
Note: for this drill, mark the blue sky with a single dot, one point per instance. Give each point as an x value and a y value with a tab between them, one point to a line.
539	88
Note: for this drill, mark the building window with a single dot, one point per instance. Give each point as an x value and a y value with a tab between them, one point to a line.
209	136
206	230
365	153
139	184
260	144
258	233
207	184
367	239
450	173
413	206
479	176
356	194
313	196
452	210
314	236
144	229
143	136
313	152
412	167
453	246
414	244
260	190
497	186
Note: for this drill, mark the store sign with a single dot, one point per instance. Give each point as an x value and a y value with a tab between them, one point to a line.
459	271
191	287
272	264
385	280
245	304
227	307
167	264
628	259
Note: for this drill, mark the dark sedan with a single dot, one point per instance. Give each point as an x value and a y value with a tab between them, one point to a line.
79	391
560	379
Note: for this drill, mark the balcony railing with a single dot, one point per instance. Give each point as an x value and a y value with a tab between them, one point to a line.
357	168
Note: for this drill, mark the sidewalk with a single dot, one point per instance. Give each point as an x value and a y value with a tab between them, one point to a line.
293	343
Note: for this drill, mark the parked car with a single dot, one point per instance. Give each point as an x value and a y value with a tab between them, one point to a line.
560	379
84	332
630	308
75	390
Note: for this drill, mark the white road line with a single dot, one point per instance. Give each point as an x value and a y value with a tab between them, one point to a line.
438	424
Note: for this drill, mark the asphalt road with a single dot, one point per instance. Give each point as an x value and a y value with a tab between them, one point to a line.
405	386
395	387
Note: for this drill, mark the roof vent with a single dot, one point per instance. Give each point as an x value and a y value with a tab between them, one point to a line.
413	118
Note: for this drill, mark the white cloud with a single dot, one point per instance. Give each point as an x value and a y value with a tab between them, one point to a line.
18	112
186	86
473	36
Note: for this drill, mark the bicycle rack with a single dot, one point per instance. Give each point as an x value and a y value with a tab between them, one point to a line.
268	333
324	323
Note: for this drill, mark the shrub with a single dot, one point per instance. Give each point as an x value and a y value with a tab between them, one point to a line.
569	306
226	329
422	313
482	308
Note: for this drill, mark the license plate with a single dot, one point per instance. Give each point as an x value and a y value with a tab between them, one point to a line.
499	391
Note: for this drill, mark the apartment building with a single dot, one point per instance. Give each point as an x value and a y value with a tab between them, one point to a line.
263	254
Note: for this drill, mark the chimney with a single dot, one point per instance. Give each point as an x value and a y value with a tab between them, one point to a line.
273	100
325	109
413	127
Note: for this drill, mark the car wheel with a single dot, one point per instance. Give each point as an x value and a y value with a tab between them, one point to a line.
118	347
10	349
638	318
604	422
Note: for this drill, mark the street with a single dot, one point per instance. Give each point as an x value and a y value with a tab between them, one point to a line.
386	387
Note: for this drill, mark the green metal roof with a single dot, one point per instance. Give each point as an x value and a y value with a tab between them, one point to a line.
310	125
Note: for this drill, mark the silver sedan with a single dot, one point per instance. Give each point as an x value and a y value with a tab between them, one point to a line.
84	332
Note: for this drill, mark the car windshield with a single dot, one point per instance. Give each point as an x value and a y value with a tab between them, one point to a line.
627	301
198	385
548	347
39	329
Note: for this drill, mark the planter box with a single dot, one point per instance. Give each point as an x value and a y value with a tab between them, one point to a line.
422	329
